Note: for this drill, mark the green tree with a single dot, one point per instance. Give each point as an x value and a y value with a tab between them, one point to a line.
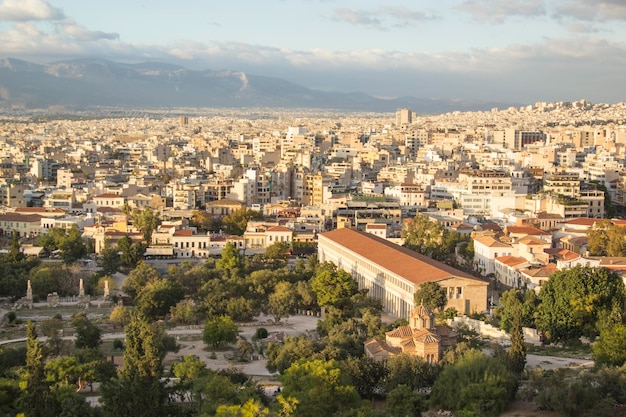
139	278
423	235
52	329
282	302
138	390
72	246
282	356
36	398
403	401
367	375
333	287
185	312
130	253
236	222
411	371
231	258
204	221
157	297
610	349
517	351
146	221
476	385
515	300
320	387
573	300
87	334
607	239
220	331
276	253
14	254
431	295
109	260
120	315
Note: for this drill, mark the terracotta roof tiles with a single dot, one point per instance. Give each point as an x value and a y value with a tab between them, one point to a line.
399	260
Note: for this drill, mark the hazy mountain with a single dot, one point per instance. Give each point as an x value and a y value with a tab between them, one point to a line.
96	82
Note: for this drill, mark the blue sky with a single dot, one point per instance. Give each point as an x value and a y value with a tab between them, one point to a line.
502	50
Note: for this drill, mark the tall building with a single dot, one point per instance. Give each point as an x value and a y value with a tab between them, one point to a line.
404	117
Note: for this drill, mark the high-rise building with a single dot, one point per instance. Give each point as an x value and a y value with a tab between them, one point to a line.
404	117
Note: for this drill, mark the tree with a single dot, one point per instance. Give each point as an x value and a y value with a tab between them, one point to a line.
411	371
146	221
14	254
236	222
515	300
231	258
280	357
36	399
72	246
366	374
588	393
120	315
282	301
87	334
607	239
185	312
423	235
610	349
52	328
130	253
320	387
220	331
477	385
157	297
138	390
204	221
276	253
403	401
138	278
572	301
517	351
333	287
431	295
109	260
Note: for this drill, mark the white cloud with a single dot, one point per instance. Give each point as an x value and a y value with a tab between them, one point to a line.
357	17
27	10
585	10
498	11
382	18
80	33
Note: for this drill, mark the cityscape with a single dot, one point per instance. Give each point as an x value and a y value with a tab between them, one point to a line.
323	214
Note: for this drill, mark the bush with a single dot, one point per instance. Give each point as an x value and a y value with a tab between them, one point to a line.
118	344
11	317
261	333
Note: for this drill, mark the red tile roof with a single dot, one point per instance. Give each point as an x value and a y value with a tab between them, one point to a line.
527	230
279	229
184	232
399	260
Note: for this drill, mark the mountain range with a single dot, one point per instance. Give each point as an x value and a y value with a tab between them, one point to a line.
84	83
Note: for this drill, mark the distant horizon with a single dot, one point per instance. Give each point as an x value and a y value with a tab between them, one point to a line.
518	51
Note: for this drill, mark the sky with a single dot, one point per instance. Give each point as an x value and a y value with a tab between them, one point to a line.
520	51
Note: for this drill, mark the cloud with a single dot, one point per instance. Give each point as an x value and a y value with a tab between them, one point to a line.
29	10
599	10
357	17
382	18
498	11
80	33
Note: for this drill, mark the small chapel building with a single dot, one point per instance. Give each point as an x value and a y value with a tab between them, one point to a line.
420	338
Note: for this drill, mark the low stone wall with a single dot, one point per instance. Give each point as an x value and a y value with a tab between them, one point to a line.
487	330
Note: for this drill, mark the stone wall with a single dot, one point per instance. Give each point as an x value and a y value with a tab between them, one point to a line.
487	330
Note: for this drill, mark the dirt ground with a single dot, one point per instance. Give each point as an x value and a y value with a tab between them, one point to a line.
192	344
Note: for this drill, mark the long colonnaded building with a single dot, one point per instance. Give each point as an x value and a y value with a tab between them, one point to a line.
393	273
